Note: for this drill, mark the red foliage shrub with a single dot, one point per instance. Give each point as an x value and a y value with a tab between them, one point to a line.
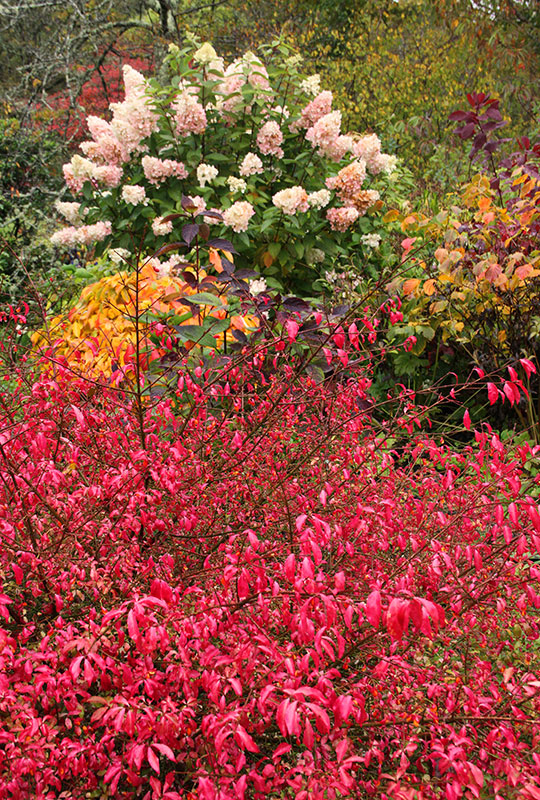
262	596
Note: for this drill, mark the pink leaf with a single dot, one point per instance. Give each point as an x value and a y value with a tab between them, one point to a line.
467	420
397	617
292	329
245	740
342	708
343	357
373	608
138	755
291	718
153	760
165	750
113	770
79	416
528	366
339	581
493	393
300	522
289	567
75	667
133	628
281	750
308	737
341	749
18	574
509	392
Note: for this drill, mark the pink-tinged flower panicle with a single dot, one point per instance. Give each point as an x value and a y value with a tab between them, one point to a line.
247	69
269	139
190	116
338	148
325	135
157	170
79	170
84	234
348	182
314	111
134	194
251	165
105	146
368	148
325	131
134	119
341	219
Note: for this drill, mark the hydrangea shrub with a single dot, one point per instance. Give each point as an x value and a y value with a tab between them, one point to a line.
258	142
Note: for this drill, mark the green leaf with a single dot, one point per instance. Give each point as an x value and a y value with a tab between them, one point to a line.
205	299
175	193
178	319
88	190
83	273
267	223
428	333
299	248
215	326
216	157
274	249
195	333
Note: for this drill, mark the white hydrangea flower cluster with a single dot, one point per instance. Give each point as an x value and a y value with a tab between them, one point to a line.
236	184
311	85
371	240
161	228
315	256
238	215
258	286
319	199
291	200
206	173
134	195
119	255
70	211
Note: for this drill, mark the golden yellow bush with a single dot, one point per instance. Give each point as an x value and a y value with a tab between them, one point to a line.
97	336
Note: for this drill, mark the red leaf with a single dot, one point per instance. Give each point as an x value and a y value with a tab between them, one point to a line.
373	608
528	366
18	574
281	749
133	628
245	740
289	567
165	750
75	667
467	420
292	329
493	393
153	760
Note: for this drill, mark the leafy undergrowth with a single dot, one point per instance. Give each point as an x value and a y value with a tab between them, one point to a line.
259	597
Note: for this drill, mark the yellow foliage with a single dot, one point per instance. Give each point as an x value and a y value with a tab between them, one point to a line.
476	281
98	335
